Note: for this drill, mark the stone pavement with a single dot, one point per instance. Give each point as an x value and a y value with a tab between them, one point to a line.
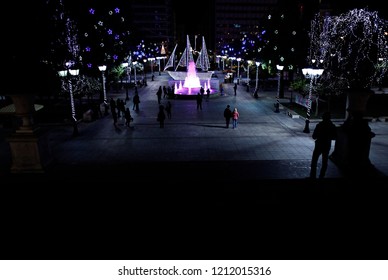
195	146
229	193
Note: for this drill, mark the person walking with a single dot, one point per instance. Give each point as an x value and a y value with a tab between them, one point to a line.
221	89
325	131
202	91
199	101
227	115
159	94
128	117
235	116
168	109
161	116
136	101
235	89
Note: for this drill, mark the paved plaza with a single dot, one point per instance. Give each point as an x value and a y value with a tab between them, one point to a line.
194	176
194	145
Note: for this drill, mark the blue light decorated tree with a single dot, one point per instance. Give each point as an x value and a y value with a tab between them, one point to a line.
353	49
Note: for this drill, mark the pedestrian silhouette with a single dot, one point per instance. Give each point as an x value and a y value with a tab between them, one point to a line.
136	101
202	91
325	131
161	116
159	94
128	117
359	136
168	109
199	101
227	115
235	89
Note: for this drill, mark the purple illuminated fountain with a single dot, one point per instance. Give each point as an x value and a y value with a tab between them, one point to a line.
192	80
189	82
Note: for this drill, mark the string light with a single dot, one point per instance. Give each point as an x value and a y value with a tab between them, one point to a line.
349	46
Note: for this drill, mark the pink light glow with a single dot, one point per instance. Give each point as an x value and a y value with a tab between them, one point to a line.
191	80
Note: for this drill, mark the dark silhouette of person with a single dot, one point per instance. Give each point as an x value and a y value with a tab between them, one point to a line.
235	89
168	109
128	117
359	135
161	116
114	116
202	91
159	94
207	94
199	101
325	131
227	115
112	104
136	101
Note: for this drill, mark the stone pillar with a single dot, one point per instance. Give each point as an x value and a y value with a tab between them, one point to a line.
29	146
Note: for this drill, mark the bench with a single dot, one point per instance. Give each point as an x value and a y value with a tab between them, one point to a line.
292	114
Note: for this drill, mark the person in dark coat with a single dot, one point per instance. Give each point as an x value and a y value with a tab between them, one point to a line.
128	117
136	101
199	101
161	116
325	131
227	115
168	109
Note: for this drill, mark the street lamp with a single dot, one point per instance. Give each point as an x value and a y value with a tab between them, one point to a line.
248	63
134	70
73	72
312	74
223	62
126	66
257	79
144	69
277	105
102	68
218	57
151	60
238	70
159	58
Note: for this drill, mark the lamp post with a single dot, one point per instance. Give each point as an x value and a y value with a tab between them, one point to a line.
151	60
312	74
73	72
102	68
125	65
238	70
223	62
277	105
134	70
144	69
248	64
159	58
257	79
218	57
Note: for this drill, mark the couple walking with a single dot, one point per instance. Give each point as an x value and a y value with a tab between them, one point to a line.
228	114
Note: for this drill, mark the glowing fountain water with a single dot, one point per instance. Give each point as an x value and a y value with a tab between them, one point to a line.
192	80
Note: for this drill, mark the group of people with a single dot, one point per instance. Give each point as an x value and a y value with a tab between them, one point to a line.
324	133
231	115
119	109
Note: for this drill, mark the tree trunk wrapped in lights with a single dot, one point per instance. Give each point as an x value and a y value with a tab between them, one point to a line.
351	47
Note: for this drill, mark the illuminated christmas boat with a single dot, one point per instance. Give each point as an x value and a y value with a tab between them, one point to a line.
189	82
